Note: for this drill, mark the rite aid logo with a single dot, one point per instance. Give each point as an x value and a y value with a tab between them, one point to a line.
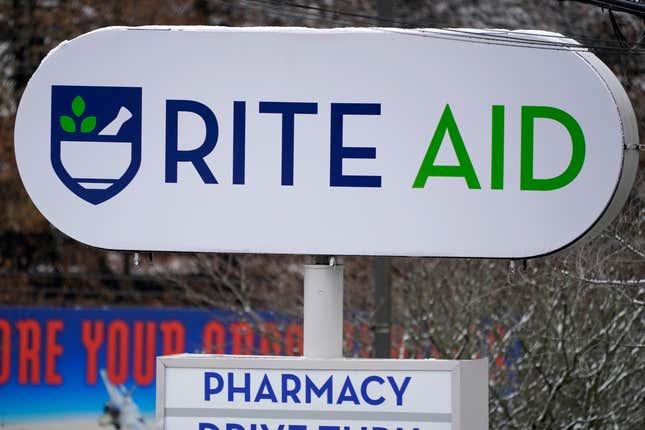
95	139
96	143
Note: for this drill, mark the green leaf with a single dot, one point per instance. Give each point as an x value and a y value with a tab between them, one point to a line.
67	123
78	105
88	124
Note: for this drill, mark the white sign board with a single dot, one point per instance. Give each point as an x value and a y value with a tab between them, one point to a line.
345	141
206	392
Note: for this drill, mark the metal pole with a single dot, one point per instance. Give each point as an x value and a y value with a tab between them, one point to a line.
383	265
383	307
323	310
385	11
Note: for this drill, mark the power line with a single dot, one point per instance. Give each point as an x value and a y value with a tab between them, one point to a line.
636	8
509	39
499	37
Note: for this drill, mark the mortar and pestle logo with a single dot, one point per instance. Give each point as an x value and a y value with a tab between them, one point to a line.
96	139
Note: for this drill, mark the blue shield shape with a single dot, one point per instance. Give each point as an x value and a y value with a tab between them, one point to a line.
95	139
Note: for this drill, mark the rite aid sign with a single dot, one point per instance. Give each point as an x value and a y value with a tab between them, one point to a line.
348	141
207	392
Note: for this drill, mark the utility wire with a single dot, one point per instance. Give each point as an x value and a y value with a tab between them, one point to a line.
403	24
500	37
636	8
436	23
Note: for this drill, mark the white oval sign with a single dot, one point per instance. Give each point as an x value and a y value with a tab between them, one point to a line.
348	141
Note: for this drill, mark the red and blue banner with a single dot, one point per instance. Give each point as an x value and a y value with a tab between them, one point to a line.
51	358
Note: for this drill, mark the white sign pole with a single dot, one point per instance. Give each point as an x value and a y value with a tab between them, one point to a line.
323	309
